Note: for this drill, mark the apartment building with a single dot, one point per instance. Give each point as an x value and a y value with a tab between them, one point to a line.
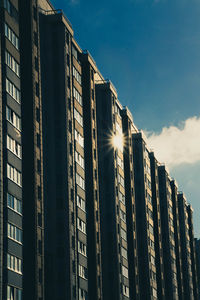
89	69
185	247
115	274
144	218
197	252
86	210
11	211
66	247
128	129
168	237
179	266
193	252
157	227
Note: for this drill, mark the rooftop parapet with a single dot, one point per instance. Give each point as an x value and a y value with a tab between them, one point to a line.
86	52
58	12
109	83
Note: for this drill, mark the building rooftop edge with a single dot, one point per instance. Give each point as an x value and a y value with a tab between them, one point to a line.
63	16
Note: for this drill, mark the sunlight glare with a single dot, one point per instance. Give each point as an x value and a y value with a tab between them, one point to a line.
118	141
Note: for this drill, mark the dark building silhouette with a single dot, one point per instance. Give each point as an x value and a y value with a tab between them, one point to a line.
91	172
185	248
193	252
157	227
12	212
86	210
179	266
66	246
128	129
144	219
168	237
115	274
197	251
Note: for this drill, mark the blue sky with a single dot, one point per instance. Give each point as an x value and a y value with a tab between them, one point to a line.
150	49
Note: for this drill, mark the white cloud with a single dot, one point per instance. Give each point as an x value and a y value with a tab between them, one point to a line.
177	145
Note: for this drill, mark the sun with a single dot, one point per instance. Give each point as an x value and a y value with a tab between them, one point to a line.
118	141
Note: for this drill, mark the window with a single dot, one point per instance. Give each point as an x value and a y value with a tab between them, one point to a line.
81	225
154	292
39	192
172	247
120	180
74	52
14	146
14	233
173	262
92	75
39	166
35	39
68	82
152	259
150	213
148	182
80	181
93	114
82	248
36	64
11	36
14	175
175	290
120	162
79	138
148	197
151	243
174	275
121	198
77	75
14	203
7	5
38	140
147	167
122	215
11	63
171	235
37	90
11	9
151	228
82	294
95	154
124	252
94	133
14	263
38	114
125	271
13	293
117	110
125	290
79	159
118	128
153	275
80	202
170	209
13	118
123	234
40	219
82	271
78	117
169	193
77	96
